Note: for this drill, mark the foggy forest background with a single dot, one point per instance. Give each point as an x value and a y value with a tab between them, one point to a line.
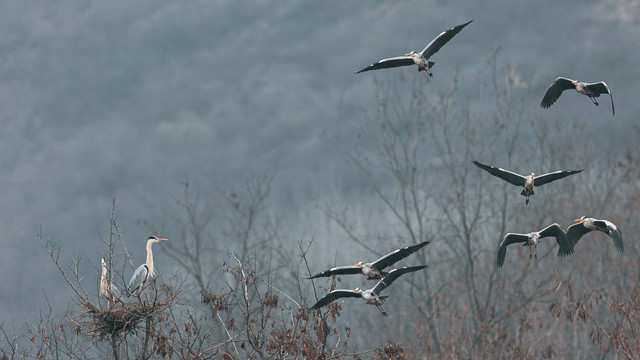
124	121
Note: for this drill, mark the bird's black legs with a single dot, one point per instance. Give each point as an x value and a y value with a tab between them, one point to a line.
526	201
429	73
594	100
381	310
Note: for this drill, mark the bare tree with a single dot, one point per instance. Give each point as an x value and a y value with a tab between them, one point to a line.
416	153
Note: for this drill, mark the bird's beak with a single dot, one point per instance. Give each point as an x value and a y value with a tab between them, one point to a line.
577	220
161	239
574	82
409	54
358	265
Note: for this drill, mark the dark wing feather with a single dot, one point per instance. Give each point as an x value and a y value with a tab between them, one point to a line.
506	175
615	234
440	40
340	270
397	255
138	278
552	176
554	230
392	275
575	232
555	90
334	295
389	63
509	239
601	88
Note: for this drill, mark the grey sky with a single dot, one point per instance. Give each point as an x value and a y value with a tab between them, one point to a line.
123	98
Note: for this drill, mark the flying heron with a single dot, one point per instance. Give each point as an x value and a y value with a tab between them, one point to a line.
531	239
422	58
144	271
107	288
592	90
371	296
587	224
527	182
372	270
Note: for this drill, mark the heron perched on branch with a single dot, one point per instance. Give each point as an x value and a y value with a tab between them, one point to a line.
592	90
586	225
144	271
107	288
372	270
371	296
420	59
531	239
527	182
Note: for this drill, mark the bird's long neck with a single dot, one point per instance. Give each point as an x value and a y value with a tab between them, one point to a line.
150	258
103	282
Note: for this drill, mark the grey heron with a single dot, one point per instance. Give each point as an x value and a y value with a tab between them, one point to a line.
592	90
144	271
587	224
527	182
371	296
372	270
420	59
531	239
107	288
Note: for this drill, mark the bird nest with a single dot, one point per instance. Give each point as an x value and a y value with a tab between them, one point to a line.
114	320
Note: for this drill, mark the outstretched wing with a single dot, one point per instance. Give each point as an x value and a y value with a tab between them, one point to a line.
340	270
138	278
552	176
555	90
509	239
575	232
601	88
334	295
392	275
611	229
389	63
397	255
506	175
441	39
554	230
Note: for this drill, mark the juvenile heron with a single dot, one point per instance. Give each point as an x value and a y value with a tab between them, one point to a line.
531	239
420	59
371	296
587	224
527	182
372	270
144	271
107	288
592	90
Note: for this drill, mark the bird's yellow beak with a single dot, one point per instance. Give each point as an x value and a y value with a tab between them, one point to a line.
162	239
577	220
358	265
409	54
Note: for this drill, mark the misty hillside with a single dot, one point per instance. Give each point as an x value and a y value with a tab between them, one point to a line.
160	105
